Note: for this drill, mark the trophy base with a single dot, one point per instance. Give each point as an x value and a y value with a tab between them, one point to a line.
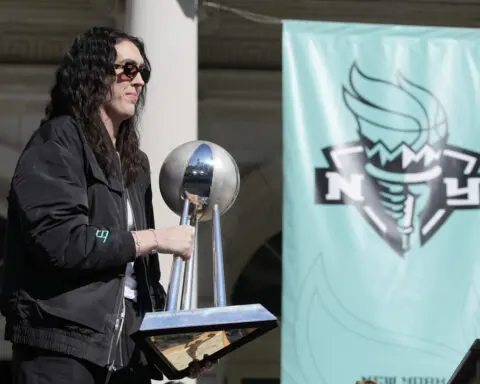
177	339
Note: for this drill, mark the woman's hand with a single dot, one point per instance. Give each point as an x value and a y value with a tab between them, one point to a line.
197	367
178	240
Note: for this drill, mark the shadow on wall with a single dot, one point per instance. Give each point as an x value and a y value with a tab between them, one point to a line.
190	12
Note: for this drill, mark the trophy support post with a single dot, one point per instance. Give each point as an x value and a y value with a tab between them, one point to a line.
218	270
176	273
199	181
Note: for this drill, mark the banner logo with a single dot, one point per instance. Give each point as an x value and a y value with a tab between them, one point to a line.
401	174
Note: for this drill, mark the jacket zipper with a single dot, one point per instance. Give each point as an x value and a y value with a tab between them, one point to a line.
119	321
120	304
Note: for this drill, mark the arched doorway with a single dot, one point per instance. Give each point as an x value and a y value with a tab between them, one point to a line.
261	279
259	282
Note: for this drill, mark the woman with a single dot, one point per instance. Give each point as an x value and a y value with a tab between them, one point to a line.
81	251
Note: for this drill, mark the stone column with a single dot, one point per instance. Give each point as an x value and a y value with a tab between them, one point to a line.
169	30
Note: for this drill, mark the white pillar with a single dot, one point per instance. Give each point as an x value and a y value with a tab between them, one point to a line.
169	30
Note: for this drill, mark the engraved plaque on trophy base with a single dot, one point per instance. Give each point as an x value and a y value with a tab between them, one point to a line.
180	337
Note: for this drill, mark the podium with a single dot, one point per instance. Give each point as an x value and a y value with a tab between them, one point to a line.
468	371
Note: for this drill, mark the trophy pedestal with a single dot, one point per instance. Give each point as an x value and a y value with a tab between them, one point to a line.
178	338
468	371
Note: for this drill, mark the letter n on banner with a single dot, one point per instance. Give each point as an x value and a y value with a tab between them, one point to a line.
381	202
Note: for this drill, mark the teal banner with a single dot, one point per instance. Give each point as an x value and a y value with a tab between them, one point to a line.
381	257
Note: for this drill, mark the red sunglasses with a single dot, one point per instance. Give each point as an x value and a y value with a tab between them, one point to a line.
131	69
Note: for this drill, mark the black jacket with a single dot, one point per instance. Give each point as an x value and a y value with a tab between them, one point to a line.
67	247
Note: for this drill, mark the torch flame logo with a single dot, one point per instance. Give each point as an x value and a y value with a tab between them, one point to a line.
416	119
400	173
403	130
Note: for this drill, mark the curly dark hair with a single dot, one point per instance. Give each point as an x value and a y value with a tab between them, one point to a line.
82	84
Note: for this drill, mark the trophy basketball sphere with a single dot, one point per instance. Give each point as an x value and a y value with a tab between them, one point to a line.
202	172
199	181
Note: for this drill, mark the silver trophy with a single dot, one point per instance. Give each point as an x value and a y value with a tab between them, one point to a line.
199	181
